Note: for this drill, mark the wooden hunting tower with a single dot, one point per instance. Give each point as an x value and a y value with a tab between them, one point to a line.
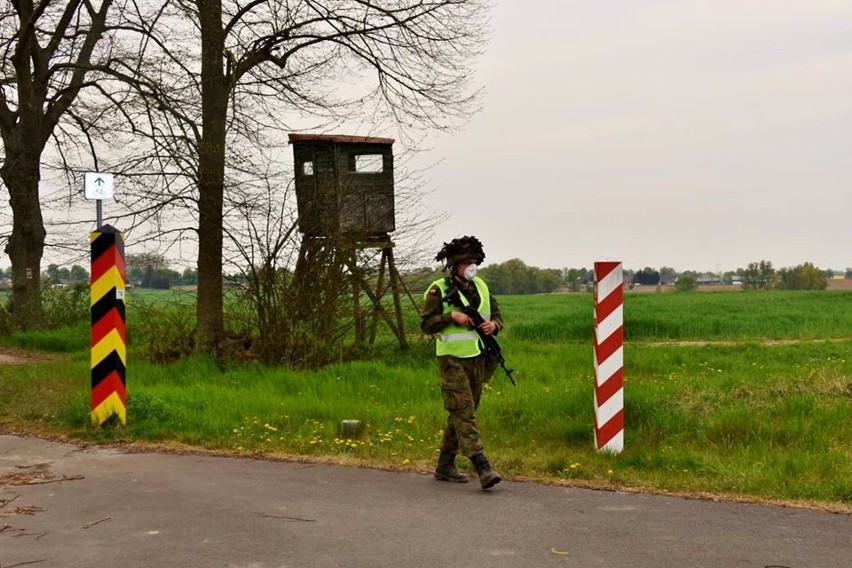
344	185
345	198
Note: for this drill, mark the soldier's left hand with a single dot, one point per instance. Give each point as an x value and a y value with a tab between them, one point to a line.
488	327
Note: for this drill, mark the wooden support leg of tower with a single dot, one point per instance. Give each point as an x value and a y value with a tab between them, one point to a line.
377	303
401	282
356	301
394	282
380	284
301	262
305	264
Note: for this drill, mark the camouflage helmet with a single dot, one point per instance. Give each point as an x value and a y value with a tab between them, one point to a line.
460	249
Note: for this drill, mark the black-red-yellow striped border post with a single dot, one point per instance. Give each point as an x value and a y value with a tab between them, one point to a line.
109	334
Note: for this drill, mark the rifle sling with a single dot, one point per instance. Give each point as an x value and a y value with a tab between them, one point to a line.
453	295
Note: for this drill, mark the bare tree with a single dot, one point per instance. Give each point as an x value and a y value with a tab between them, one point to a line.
265	64
417	49
210	76
46	49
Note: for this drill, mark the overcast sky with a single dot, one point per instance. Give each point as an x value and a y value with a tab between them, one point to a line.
694	134
700	135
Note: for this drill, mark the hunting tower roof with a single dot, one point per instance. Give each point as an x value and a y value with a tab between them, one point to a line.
339	139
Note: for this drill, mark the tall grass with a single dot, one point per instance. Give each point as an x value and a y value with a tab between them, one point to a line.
711	406
648	316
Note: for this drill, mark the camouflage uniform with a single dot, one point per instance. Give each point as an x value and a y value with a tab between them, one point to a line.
461	378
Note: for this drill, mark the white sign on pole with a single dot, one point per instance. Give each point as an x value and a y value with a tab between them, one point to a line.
98	185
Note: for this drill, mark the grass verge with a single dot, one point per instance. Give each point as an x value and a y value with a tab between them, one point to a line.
729	416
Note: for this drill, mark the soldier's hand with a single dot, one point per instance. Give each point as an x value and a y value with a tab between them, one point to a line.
488	327
459	318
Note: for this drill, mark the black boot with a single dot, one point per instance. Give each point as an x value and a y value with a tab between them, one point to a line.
446	470
487	477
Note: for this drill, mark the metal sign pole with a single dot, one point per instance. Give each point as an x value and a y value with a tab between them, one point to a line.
99	208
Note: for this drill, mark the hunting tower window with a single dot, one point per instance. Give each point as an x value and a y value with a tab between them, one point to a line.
366	163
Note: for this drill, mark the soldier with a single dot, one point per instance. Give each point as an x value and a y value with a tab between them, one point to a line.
462	362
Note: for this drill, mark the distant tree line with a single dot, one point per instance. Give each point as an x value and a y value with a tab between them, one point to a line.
763	276
56	275
513	276
152	271
144	270
646	277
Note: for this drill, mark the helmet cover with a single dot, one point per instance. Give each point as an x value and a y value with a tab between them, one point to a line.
467	247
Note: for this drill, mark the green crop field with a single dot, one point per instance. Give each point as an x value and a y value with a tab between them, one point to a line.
739	395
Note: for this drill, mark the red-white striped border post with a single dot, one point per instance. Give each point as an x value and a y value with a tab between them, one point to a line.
609	357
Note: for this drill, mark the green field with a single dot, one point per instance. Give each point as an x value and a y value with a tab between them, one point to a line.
740	395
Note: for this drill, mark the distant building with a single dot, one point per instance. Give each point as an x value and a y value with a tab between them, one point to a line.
709	279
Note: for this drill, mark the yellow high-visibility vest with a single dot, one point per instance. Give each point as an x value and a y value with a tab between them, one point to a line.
454	339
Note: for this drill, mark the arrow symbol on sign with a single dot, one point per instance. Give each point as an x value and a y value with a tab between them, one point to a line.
99	181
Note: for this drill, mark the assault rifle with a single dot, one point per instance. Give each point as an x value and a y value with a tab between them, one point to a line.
492	348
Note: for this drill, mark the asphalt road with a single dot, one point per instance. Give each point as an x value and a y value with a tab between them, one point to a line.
63	506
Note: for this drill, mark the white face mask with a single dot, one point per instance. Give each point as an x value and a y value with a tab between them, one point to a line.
470	272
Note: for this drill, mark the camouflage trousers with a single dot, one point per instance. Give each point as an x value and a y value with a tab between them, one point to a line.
461	386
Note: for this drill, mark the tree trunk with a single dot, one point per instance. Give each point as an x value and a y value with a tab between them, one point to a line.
20	173
211	177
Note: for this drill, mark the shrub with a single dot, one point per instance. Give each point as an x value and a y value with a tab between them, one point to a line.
66	306
803	277
686	283
165	329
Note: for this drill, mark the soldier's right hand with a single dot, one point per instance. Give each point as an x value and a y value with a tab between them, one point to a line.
460	318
